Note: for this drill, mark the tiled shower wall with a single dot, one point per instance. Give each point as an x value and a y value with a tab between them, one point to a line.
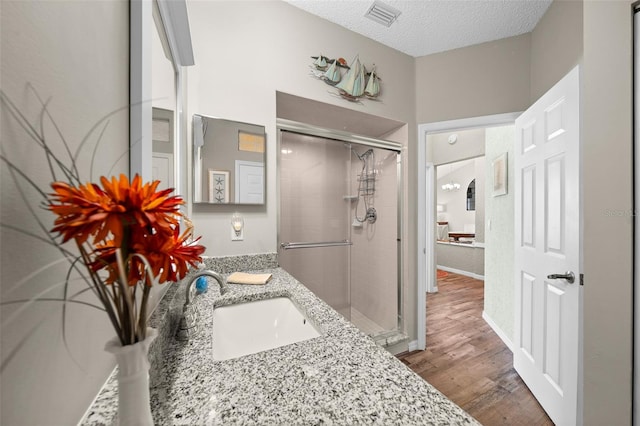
374	259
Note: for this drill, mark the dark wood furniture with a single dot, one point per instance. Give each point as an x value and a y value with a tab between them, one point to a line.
457	235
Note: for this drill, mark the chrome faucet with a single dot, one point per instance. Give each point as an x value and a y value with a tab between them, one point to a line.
221	281
189	321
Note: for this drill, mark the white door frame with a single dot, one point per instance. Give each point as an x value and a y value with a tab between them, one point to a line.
427	216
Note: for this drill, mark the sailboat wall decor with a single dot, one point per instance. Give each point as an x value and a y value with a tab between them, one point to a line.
373	85
328	70
332	75
355	84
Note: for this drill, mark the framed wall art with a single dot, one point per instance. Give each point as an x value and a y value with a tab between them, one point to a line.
499	166
218	186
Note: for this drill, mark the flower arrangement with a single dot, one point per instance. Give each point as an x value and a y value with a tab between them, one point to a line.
127	232
131	231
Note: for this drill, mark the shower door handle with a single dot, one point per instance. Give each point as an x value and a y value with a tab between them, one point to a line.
289	246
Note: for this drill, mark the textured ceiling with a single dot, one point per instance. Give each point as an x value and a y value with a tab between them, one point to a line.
430	26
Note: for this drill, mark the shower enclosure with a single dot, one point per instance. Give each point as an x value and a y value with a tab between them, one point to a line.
339	224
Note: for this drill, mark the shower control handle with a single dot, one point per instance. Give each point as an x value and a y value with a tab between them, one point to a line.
569	276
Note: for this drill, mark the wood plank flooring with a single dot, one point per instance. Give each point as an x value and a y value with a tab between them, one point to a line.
467	361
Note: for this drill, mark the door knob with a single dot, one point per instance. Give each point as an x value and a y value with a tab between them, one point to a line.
569	276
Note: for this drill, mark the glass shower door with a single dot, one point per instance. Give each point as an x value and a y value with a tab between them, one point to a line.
314	243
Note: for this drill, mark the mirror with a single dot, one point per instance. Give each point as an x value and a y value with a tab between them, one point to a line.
163	103
471	195
229	161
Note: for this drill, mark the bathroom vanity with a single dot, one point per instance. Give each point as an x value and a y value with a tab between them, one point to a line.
339	377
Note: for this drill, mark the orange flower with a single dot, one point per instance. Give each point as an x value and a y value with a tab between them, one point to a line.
145	205
169	256
92	211
81	211
134	218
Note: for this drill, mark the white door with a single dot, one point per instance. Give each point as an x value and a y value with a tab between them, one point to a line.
547	231
249	185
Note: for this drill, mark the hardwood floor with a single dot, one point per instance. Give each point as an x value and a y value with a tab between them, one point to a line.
467	361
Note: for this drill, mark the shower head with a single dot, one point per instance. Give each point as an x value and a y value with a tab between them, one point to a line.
363	155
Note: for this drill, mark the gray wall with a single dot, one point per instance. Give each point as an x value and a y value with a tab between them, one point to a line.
470	144
460	257
556	45
76	55
499	234
484	79
606	136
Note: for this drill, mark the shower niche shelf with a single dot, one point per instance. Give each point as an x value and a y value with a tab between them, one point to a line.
350	197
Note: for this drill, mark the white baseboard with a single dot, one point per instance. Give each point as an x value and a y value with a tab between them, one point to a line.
497	330
461	272
413	345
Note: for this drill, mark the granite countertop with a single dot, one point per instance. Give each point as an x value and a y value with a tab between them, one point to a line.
341	377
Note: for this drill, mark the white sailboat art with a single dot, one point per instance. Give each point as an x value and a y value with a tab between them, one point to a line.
372	90
355	84
328	70
320	62
332	76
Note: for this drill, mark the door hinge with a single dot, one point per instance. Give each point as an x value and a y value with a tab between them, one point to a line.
581	279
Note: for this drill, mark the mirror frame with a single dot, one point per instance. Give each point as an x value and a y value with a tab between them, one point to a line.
175	23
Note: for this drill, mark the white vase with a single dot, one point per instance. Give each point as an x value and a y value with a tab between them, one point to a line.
133	380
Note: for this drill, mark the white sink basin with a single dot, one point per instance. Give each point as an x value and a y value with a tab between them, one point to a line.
252	327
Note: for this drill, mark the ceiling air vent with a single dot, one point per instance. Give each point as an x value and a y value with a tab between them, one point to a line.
382	13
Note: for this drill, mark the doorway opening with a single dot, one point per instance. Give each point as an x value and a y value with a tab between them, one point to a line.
474	221
427	205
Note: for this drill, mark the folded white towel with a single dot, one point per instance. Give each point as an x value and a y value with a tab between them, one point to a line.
246	278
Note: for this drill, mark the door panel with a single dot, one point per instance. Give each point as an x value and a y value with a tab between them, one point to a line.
555	220
528	207
162	169
527	285
548	242
553	325
314	178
